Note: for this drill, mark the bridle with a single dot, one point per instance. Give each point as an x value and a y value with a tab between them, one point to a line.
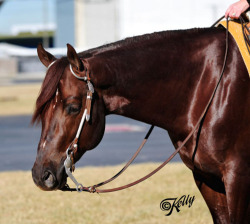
73	147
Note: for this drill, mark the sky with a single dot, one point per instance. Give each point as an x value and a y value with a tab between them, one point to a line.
20	12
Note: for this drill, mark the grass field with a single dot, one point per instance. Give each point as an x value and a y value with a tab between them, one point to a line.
22	202
18	99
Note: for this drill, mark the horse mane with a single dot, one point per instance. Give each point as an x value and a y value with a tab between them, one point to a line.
139	40
53	75
49	87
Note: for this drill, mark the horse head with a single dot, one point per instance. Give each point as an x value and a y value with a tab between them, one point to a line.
60	107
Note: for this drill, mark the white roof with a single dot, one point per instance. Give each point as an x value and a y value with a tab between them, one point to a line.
10	50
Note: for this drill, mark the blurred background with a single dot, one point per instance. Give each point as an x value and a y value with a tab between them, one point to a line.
86	24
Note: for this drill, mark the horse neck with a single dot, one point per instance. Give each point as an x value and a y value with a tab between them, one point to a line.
155	85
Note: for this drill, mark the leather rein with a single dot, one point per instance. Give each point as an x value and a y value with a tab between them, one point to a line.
69	162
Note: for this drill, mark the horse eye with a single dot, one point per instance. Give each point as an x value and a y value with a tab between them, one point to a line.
73	109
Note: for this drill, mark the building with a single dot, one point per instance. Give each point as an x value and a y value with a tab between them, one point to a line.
90	23
86	23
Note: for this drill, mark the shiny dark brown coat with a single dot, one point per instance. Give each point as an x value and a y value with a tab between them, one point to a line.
165	79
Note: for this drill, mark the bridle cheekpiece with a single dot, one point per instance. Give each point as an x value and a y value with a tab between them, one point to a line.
69	164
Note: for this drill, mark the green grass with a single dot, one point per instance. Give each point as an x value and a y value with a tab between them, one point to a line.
26	35
23	202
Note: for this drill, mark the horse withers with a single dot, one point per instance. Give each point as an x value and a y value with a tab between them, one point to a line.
164	79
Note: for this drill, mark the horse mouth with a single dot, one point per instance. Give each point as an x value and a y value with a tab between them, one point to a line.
63	181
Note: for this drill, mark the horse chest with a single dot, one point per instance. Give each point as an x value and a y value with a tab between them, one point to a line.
201	158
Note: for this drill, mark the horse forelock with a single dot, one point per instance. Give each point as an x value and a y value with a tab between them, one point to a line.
49	87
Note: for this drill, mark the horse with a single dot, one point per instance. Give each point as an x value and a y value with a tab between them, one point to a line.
164	79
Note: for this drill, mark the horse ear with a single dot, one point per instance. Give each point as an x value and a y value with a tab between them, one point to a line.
74	59
45	57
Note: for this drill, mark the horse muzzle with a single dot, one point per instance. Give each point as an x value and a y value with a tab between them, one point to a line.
47	180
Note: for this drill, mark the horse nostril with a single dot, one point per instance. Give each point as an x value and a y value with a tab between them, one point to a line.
49	179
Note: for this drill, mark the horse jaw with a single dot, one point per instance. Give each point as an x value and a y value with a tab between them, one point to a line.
115	103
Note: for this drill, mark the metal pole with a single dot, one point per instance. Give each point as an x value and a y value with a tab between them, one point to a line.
45	23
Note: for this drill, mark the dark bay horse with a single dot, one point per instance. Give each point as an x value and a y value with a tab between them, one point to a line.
164	79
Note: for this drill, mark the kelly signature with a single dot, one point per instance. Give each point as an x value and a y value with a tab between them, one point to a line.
169	204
